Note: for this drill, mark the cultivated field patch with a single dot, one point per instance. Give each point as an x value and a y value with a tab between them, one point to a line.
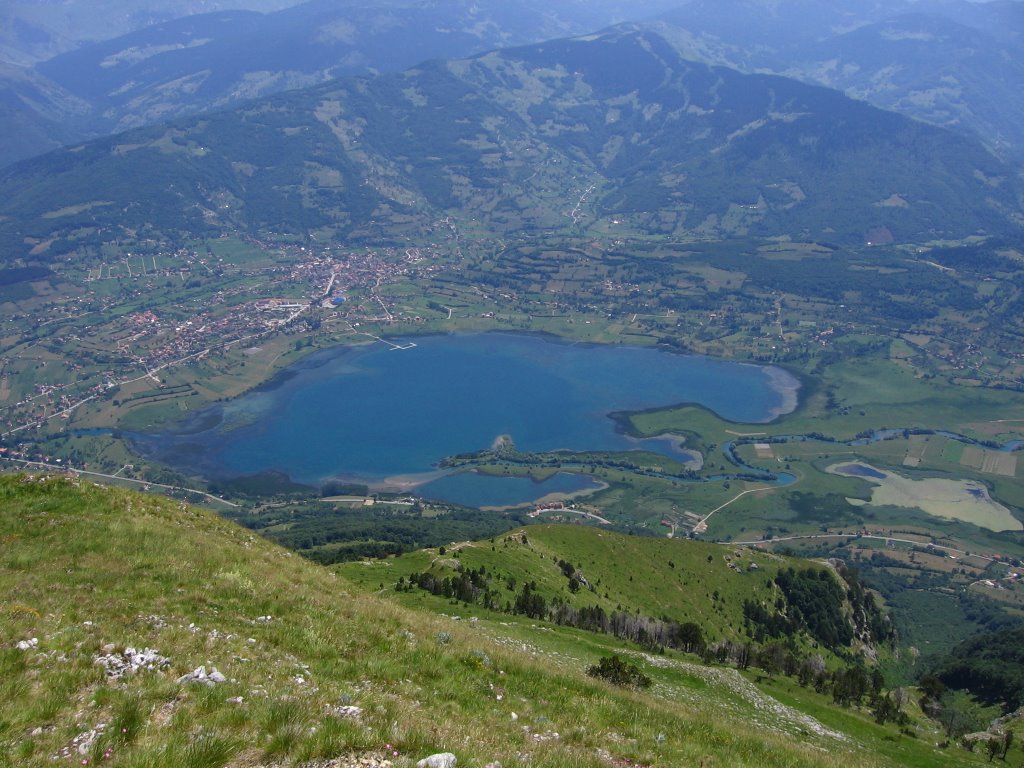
998	463
918	446
989	462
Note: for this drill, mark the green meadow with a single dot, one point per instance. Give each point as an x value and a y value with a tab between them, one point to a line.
90	572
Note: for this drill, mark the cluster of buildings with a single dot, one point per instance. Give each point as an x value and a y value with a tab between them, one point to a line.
189	304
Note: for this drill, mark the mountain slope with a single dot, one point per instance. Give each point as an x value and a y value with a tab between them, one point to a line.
34	31
617	124
216	60
929	67
36	115
212	61
712	586
758	28
88	574
946	62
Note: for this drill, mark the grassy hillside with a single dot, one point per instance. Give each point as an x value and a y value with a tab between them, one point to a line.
684	580
86	573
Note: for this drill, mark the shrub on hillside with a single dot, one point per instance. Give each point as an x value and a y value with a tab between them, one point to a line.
619	672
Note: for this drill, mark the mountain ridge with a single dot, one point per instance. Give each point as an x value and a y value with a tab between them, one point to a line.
946	63
716	152
216	60
199	63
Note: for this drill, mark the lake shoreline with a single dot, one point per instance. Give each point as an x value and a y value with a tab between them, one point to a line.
384	418
788	386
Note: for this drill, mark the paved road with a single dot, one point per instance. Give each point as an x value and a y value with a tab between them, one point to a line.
951	550
67	468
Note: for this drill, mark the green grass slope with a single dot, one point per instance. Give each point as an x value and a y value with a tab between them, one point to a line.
714	586
87	572
683	580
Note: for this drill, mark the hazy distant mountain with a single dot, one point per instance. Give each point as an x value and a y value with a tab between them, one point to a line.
215	60
931	68
35	30
948	62
771	25
1003	19
35	114
662	144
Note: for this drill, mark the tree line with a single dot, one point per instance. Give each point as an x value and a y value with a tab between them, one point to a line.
811	602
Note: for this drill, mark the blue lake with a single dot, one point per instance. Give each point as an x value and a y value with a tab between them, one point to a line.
859	470
472	489
386	417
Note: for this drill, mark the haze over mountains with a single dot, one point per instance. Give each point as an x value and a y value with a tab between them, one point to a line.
192	63
948	62
659	144
35	31
942	61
